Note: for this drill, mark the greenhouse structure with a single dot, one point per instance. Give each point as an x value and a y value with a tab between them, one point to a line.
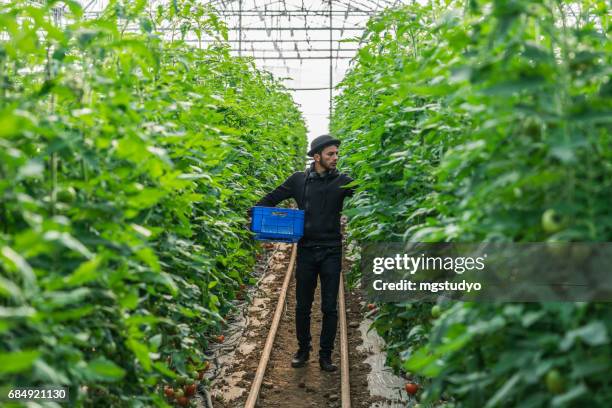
309	203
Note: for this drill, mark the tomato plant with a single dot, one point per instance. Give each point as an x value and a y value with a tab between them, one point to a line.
486	121
127	162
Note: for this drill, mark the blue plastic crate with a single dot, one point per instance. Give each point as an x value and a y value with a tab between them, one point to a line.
277	224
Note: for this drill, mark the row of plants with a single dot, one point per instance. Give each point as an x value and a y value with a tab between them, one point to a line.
479	121
128	158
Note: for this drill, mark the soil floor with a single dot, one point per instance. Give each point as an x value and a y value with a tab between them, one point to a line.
283	386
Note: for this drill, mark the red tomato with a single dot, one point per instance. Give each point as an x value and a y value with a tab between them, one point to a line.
190	390
411	388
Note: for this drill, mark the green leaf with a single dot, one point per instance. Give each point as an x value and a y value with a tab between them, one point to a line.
148	256
155	341
593	334
17	361
504	392
148	197
49	374
510	87
564	153
146	25
129	300
163	368
20	264
59	299
16	312
419	360
141	351
68	241
75	7
102	369
32	169
573	393
589	367
71	314
8	289
86	272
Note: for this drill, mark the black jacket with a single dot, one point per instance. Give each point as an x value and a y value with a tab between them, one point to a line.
321	198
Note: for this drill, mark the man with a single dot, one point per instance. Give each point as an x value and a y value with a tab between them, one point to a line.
319	192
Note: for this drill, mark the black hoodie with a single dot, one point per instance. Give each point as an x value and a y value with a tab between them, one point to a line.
321	197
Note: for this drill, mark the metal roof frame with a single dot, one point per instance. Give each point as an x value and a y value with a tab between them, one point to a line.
285	30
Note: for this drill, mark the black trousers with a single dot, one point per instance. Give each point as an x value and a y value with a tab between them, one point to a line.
325	262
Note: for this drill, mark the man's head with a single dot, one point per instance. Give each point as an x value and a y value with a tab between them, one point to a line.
324	151
327	157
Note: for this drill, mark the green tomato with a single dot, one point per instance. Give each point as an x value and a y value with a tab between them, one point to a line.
554	382
66	195
551	222
110	347
436	311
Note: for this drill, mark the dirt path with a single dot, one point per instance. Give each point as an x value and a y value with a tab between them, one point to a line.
284	386
302	387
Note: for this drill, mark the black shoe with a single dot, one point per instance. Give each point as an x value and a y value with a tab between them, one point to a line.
326	364
300	358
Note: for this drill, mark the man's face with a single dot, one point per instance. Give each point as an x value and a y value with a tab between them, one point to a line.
328	157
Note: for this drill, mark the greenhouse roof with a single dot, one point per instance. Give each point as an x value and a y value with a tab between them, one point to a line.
306	42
